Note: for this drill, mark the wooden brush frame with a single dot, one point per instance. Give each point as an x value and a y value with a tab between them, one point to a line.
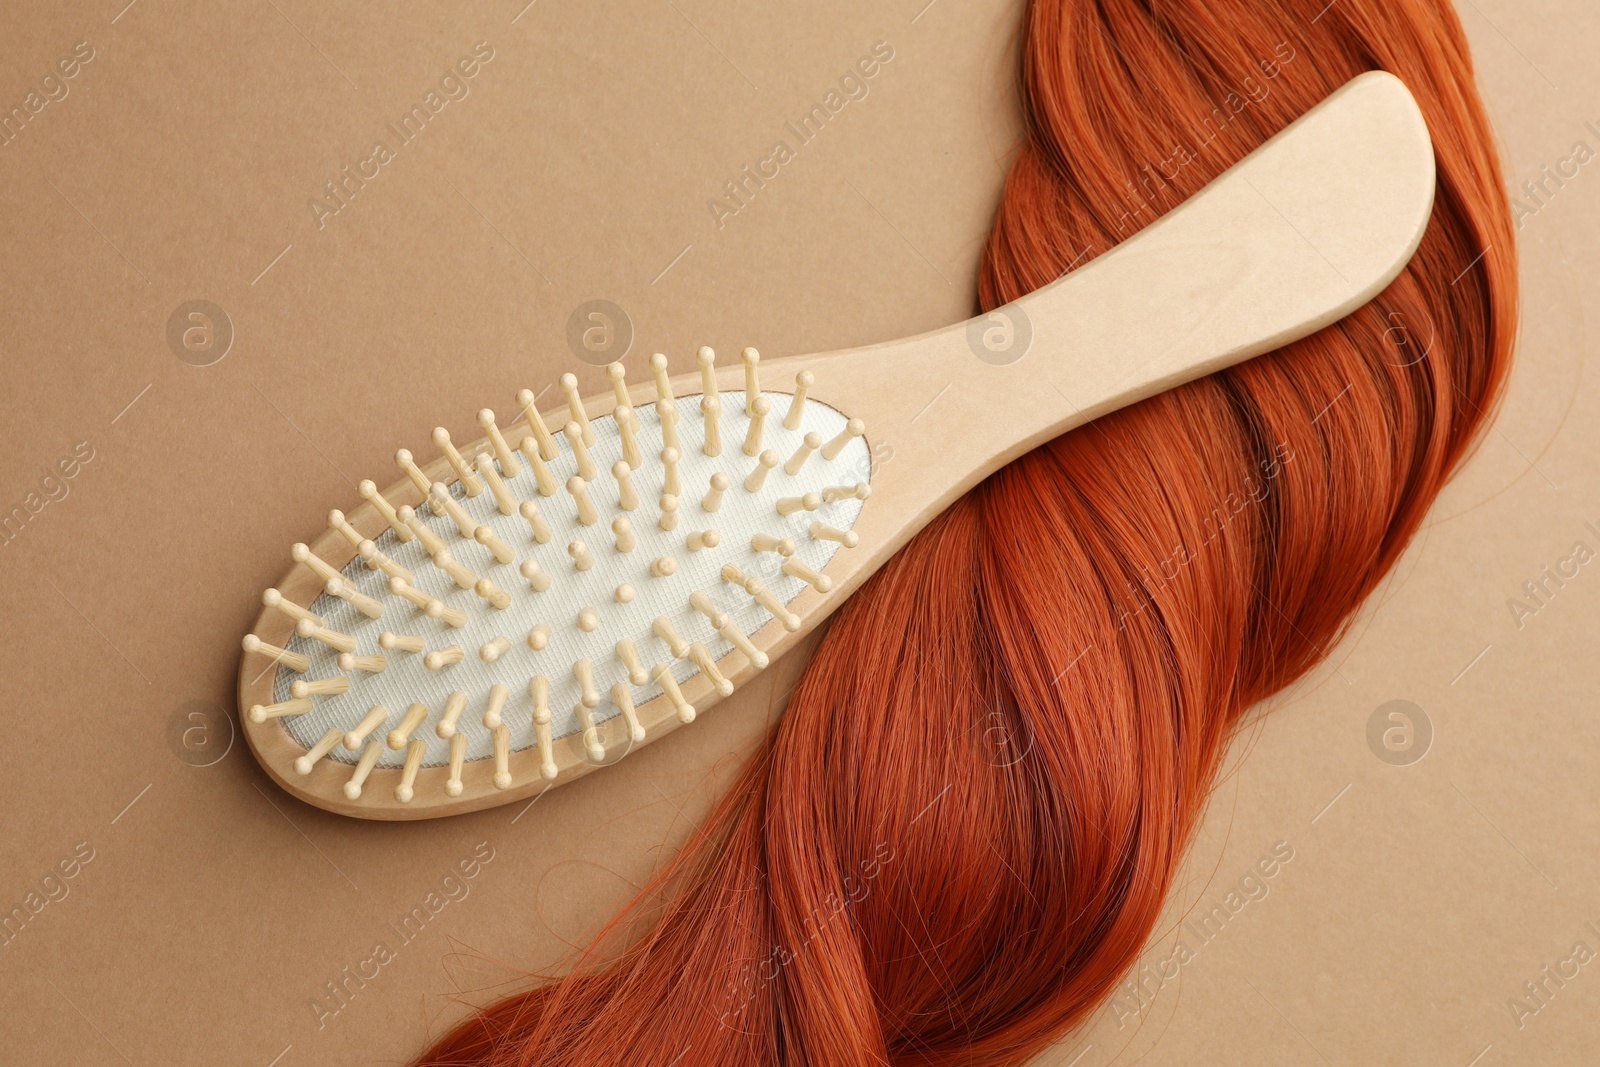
1300	233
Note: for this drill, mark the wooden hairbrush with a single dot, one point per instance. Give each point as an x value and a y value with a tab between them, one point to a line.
530	606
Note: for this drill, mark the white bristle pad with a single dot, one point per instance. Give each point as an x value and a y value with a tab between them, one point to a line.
407	681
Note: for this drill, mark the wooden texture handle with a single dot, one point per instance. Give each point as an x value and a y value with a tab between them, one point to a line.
1303	231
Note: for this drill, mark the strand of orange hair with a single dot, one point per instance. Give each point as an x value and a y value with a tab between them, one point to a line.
887	884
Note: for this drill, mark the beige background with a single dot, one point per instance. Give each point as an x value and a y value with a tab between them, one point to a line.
214	909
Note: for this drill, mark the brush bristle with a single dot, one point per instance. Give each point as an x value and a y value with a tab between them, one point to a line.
564	579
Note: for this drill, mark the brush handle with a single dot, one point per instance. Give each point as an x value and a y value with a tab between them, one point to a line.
1303	231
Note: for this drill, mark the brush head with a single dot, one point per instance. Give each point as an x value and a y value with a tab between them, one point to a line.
549	625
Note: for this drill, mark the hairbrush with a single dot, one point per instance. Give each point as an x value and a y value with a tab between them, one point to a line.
585	577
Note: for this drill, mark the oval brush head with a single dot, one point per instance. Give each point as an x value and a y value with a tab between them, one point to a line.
532	605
